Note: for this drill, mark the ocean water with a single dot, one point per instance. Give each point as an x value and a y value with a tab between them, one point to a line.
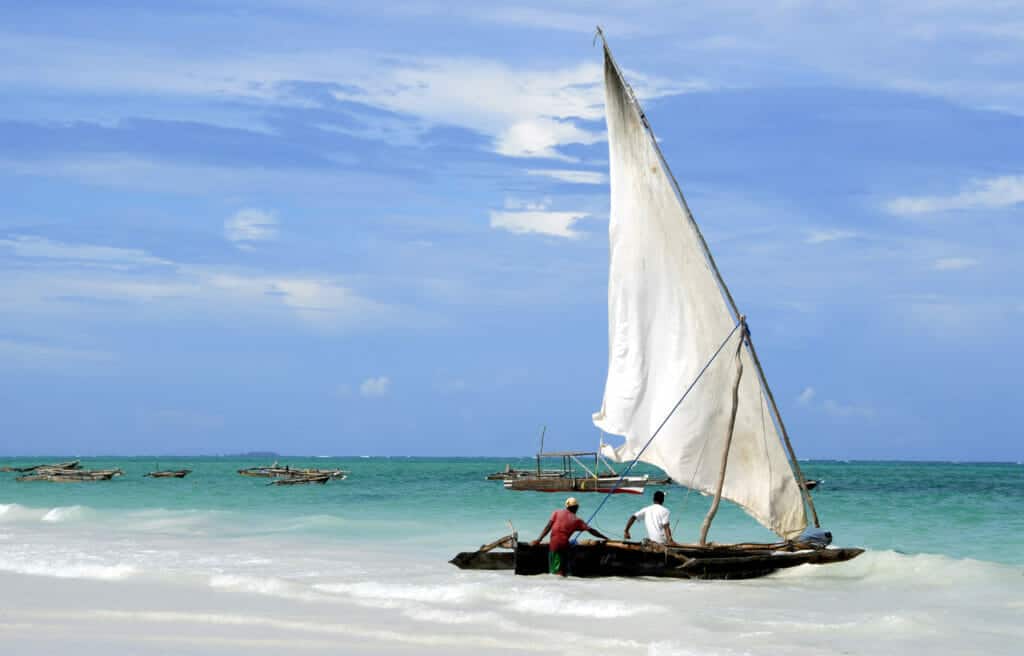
943	574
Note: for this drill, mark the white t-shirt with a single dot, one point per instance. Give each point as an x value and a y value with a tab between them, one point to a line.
655	518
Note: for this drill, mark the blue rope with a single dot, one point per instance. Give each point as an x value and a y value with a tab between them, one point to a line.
626	471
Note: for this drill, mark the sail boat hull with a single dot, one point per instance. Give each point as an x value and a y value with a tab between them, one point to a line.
632	559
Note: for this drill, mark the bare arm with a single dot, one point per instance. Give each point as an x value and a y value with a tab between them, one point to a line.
668	535
543	534
597	533
629	524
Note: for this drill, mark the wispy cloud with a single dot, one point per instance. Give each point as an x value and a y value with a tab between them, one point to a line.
374	387
250	225
144	174
806	396
526	112
32	247
824	236
571	176
70	281
954	263
992	193
556	224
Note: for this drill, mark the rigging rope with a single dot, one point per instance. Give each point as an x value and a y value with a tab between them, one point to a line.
671	412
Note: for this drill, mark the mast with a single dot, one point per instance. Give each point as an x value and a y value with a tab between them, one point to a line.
724	288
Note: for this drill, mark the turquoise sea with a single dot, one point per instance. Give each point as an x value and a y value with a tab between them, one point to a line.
944	570
962	510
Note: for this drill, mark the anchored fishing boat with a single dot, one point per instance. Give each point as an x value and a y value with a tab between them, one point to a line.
73	464
576	475
278	471
685	387
305	479
69	475
169	473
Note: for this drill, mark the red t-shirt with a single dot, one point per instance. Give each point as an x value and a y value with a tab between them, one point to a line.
563	525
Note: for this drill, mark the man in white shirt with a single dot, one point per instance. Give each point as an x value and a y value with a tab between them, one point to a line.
655	518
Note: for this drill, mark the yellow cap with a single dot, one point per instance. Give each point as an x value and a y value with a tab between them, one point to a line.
571	501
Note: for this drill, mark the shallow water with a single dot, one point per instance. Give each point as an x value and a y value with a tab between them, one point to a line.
944	571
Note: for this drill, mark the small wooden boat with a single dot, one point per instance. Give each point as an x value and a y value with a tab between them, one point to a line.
73	464
575	475
169	473
691	561
70	475
319	479
277	471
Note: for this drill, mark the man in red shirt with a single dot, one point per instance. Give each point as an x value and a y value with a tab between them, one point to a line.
563	524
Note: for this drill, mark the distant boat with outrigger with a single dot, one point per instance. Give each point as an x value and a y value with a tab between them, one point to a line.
287	475
71	464
580	471
169	473
685	387
69	475
572	471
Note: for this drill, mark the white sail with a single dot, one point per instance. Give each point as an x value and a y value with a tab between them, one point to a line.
666	318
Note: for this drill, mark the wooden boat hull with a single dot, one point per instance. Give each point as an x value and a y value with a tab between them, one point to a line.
288	472
70	475
74	464
180	473
609	484
630	559
319	479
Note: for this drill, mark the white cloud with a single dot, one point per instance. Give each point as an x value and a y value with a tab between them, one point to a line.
806	396
70	282
823	236
527	112
250	225
538	137
571	176
557	224
372	387
993	193
41	248
954	263
153	175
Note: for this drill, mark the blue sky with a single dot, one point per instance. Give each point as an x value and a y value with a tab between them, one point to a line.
380	228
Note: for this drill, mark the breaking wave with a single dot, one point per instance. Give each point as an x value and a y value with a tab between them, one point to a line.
68	569
63	513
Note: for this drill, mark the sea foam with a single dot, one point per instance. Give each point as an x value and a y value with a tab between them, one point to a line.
549	604
443	594
63	514
66	569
